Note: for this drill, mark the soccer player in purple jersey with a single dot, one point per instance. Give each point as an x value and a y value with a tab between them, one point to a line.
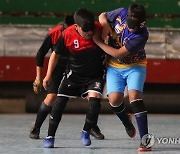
127	64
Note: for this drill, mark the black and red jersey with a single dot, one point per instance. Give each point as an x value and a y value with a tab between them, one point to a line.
49	43
55	33
85	58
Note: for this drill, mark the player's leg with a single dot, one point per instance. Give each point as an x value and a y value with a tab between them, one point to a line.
120	110
95	131
91	118
115	90
140	114
93	93
135	89
46	105
42	113
64	93
54	120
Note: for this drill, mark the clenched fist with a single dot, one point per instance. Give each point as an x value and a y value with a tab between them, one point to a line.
37	86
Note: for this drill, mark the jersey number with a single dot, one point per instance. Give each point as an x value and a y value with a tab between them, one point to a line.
76	44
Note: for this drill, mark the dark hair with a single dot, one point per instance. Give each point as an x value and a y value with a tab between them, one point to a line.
69	20
136	16
85	19
137	11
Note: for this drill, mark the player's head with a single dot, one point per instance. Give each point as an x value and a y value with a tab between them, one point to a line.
84	20
136	17
69	20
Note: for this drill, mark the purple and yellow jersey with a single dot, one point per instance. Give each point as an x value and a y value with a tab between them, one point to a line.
133	41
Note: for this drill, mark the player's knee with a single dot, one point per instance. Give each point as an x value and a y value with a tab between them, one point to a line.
94	95
114	101
134	94
50	98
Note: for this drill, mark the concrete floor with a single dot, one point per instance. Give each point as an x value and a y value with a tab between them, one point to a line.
14	131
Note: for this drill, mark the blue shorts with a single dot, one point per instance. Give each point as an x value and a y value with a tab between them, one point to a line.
118	78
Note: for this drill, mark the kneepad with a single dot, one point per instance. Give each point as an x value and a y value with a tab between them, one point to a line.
138	106
45	107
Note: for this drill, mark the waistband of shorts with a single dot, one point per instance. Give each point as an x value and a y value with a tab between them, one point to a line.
118	65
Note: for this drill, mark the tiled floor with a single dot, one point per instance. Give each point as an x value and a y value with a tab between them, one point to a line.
14	132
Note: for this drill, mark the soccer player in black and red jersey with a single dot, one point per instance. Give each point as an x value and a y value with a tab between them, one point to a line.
49	43
46	106
84	75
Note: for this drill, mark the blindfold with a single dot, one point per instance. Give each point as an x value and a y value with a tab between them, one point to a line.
134	23
88	27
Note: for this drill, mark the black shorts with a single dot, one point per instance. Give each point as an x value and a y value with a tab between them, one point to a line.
56	79
70	88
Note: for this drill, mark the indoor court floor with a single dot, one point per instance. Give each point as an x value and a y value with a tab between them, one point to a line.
14	135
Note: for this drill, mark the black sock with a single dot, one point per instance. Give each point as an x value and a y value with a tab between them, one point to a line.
92	113
56	114
121	113
42	113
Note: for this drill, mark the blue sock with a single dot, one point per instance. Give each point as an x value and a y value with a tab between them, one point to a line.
141	119
141	116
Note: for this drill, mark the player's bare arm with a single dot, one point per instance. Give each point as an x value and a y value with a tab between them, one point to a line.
51	65
106	27
117	53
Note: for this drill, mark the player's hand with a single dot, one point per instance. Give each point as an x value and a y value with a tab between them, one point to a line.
37	86
46	82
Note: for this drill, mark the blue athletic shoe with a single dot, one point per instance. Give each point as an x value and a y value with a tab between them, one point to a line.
49	142
85	138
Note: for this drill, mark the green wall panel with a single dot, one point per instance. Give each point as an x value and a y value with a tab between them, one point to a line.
161	13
